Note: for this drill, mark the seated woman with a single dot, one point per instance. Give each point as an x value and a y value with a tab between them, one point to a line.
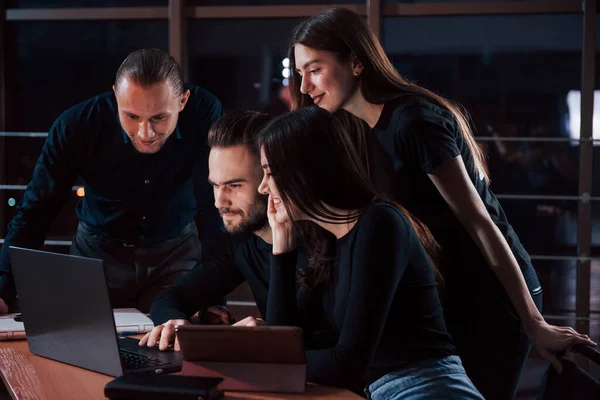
379	292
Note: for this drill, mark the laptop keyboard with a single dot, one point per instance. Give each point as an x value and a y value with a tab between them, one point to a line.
132	361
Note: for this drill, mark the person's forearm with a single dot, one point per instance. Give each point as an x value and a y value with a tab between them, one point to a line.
167	306
208	282
499	256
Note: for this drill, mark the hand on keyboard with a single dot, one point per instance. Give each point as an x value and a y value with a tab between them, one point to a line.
163	334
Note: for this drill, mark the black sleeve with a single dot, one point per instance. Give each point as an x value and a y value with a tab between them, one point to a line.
210	280
380	255
430	137
282	308
54	175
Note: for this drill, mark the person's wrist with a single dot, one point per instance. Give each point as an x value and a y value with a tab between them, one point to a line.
284	247
530	325
284	243
279	250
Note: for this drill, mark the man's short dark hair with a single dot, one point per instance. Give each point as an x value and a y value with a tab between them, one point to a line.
238	128
147	67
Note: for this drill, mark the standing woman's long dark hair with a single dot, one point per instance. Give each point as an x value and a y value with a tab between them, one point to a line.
344	33
315	164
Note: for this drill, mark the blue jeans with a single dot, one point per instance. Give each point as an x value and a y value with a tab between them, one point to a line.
441	378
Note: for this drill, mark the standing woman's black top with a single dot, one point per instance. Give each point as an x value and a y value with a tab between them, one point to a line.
411	138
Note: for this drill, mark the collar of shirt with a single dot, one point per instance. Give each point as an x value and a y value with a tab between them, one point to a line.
126	139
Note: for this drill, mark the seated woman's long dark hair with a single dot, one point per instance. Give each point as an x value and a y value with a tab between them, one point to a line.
314	164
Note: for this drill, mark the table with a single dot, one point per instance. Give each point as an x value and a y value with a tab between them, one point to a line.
31	377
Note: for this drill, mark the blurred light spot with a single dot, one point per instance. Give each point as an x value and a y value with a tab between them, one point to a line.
11	202
285	62
574	115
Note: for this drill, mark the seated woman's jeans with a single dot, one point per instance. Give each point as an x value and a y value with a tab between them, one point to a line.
442	378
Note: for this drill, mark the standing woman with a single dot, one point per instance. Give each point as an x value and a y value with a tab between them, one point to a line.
379	293
421	150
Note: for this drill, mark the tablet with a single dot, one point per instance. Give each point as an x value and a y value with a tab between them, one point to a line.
257	344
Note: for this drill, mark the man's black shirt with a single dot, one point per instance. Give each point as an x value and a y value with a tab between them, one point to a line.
134	198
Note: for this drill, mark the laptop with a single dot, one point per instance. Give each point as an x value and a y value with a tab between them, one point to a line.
68	317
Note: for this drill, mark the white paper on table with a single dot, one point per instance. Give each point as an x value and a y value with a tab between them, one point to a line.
128	321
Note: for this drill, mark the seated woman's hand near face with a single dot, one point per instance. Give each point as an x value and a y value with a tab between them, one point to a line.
163	335
250	321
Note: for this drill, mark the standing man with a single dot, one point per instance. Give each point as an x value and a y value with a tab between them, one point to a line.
141	153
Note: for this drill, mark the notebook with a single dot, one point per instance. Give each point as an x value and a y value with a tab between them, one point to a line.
129	321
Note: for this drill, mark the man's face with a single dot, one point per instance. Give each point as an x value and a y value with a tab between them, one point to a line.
148	115
235	174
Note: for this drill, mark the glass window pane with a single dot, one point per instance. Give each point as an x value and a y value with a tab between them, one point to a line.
21	157
54	65
548	230
64	226
244	66
513	82
485	36
545	227
595	305
269	2
84	3
441	2
576	109
595	281
560	291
